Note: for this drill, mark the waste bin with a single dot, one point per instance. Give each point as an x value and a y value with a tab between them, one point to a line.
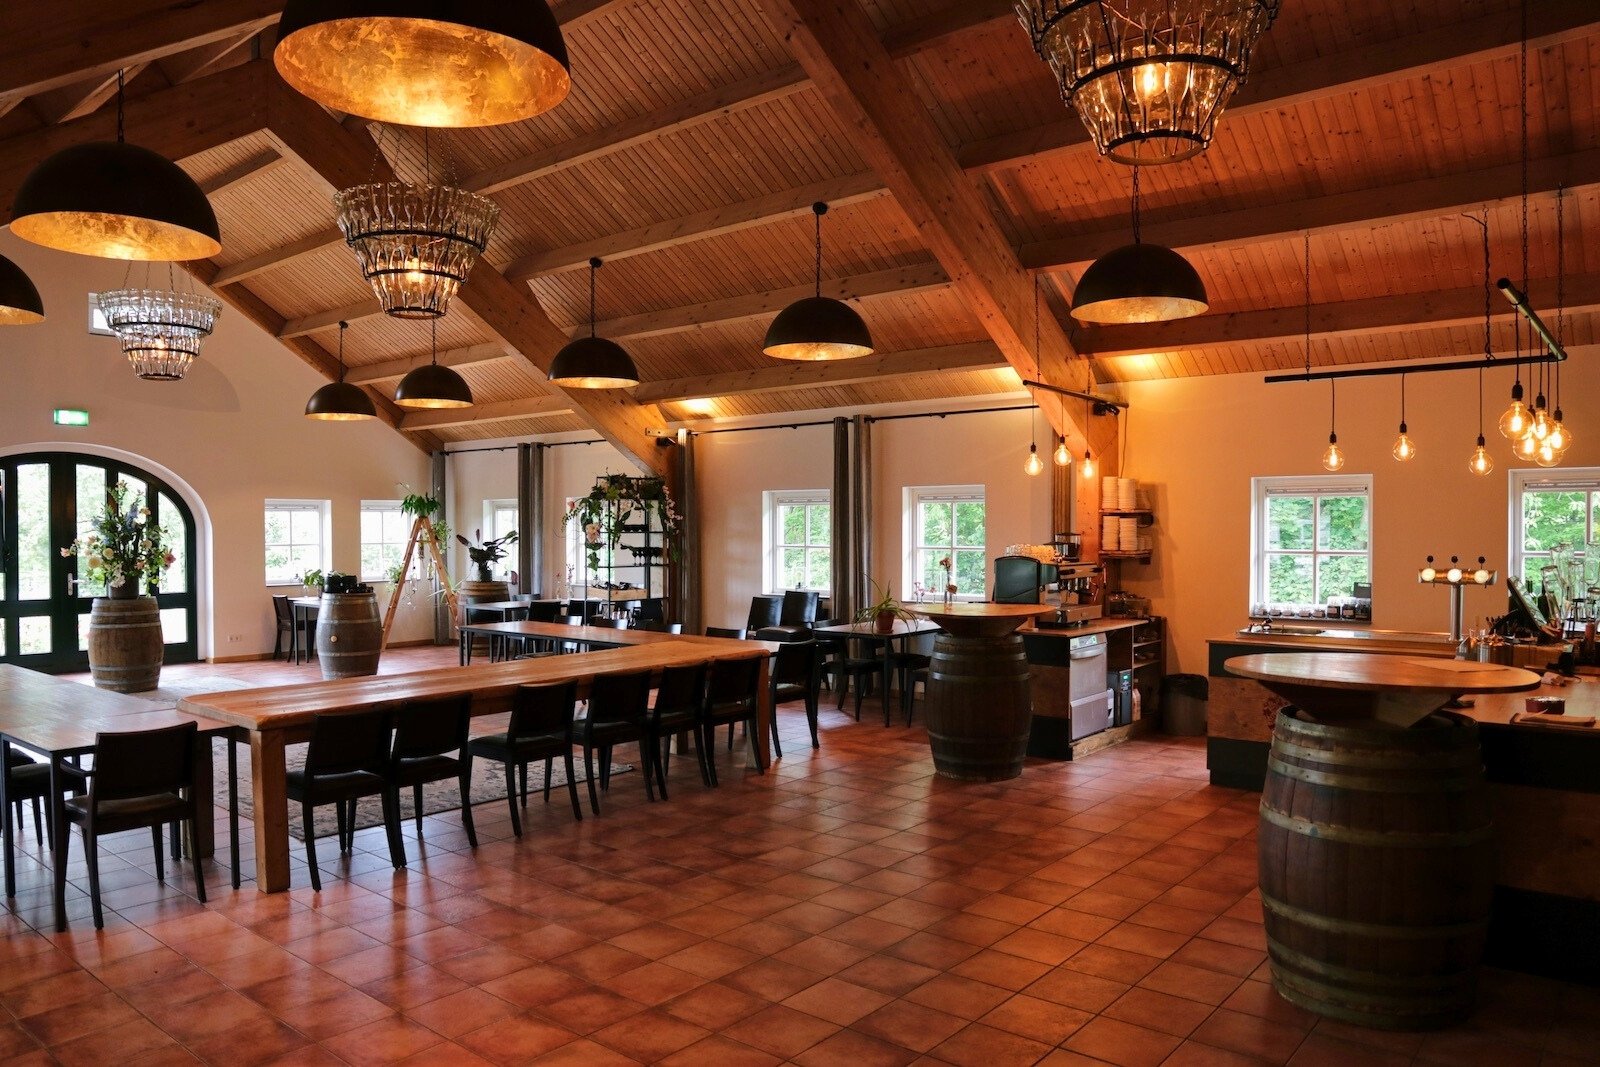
1183	704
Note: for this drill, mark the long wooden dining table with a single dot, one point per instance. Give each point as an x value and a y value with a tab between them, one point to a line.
274	718
60	720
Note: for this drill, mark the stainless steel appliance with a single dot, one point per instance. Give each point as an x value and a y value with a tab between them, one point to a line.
1019	579
1086	682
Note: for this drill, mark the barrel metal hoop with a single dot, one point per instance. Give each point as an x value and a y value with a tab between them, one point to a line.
1349	835
1362	784
1459	759
1385	931
1418	1010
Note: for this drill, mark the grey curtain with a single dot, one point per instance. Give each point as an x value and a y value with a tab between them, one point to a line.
438	489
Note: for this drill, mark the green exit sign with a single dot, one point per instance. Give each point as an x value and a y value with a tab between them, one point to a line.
71	417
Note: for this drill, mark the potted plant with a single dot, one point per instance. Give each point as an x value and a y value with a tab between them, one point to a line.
128	554
487	553
884	610
605	513
312	581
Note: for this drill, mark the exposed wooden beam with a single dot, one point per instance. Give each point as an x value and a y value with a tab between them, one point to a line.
1384	314
322	320
932	31
763	210
503	411
198	62
241	172
901	280
574	13
1383	206
981	355
835	43
49	46
182	121
310	353
274	258
509	310
81	98
727	100
1436	49
390	369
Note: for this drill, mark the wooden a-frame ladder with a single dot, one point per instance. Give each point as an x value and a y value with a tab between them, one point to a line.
421	531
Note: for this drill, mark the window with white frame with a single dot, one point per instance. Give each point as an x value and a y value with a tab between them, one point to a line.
499	519
1312	539
385	529
296	539
799	539
1555	515
946	522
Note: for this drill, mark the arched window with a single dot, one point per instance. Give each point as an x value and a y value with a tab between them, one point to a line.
49	498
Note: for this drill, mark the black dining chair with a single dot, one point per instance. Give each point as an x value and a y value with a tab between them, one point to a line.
908	690
541	727
653	609
426	732
830	647
796	675
765	609
733	632
618	707
283	615
733	695
26	780
620	622
679	697
347	759
797	613
140	778
660	627
859	666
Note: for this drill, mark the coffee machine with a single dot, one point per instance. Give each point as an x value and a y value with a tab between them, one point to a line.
1077	594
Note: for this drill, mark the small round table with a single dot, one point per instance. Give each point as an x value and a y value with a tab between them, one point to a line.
979	703
1374	849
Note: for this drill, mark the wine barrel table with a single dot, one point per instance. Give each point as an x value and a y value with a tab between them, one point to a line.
125	644
979	704
1375	845
349	635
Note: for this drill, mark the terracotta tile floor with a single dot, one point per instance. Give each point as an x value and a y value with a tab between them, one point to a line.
848	907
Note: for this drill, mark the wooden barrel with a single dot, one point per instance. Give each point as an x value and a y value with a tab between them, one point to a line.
349	635
125	644
978	707
1376	864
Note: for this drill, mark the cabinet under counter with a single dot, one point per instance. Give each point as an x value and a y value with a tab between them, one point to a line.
1078	707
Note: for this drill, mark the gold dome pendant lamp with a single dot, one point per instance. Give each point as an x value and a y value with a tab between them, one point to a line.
117	201
20	304
440	63
339	400
1148	78
1139	283
818	328
431	387
593	362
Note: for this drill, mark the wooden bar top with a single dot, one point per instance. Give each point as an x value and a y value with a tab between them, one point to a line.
491	685
1369	672
1582	695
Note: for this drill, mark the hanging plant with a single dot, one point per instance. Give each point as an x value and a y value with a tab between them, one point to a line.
605	512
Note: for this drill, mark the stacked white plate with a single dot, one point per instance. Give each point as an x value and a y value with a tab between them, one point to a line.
1109	533
1127	494
1128	535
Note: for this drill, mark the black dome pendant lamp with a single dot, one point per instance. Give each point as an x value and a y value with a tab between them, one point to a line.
19	299
431	387
442	63
1139	283
593	362
117	201
339	401
818	327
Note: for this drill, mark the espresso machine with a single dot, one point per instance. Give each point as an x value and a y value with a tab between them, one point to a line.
1076	597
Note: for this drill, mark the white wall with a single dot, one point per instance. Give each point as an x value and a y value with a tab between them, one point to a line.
233	432
1196	443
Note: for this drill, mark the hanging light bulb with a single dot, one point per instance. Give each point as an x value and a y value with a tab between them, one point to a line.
1545	456
1063	456
1333	455
1560	438
1403	448
1527	446
1088	464
1514	423
1540	426
1481	462
1035	465
1429	573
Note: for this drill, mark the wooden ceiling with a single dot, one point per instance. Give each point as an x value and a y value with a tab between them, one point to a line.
699	132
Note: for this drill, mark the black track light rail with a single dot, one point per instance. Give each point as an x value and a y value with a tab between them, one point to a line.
1103	405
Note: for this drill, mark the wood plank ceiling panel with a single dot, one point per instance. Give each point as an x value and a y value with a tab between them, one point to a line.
281	205
956	384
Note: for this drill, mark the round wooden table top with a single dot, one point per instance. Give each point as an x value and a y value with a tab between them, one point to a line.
1366	671
979	620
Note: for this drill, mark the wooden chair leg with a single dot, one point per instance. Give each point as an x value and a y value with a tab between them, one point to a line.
91	855
511	797
466	799
588	769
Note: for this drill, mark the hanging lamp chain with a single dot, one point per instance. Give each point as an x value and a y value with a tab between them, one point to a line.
343	326
1488	310
818	210
1306	247
1561	283
1135	205
1333	406
594	273
121	126
433	340
1402	400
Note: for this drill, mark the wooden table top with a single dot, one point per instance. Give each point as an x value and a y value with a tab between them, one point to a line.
1370	672
605	635
284	707
869	629
966	610
1582	695
53	715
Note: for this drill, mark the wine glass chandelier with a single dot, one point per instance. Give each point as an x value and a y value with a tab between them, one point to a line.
160	330
1148	78
416	243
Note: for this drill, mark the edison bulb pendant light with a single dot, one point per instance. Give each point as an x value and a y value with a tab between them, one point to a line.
1560	437
1481	462
1545	456
1527	445
1514	423
1088	464
1035	465
1540	426
1403	448
1063	456
1333	455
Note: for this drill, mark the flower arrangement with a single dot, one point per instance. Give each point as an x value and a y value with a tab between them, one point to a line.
949	586
124	550
605	512
485	555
